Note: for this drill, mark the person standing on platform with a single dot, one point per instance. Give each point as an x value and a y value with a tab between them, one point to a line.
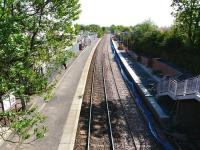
64	62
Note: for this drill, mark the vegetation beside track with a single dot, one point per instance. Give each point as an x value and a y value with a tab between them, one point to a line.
178	44
33	41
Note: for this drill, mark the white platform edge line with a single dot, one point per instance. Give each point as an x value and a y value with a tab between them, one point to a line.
131	71
43	105
69	131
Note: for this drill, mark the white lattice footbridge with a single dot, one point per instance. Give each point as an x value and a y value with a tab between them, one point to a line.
180	90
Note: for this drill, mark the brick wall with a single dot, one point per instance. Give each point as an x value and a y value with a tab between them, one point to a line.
156	64
164	68
144	60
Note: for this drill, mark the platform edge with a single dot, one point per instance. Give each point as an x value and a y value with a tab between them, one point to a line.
69	131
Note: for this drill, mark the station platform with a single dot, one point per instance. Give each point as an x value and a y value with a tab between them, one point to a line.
144	83
63	110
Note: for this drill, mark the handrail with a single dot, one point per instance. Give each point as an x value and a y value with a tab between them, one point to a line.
176	88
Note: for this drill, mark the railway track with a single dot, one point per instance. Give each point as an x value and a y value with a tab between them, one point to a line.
132	116
109	117
99	119
98	131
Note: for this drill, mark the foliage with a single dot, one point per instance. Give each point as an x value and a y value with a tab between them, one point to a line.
172	39
48	93
77	28
115	29
94	28
187	13
168	43
33	35
26	125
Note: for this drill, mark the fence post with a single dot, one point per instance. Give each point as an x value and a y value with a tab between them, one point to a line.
176	85
197	84
185	88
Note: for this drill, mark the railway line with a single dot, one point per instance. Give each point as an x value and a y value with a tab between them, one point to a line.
132	117
97	131
109	117
99	118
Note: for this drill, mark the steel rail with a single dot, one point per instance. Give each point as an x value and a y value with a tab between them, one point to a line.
91	109
123	109
90	112
108	112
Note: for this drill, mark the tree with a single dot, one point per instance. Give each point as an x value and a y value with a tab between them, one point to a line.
33	38
144	36
26	126
119	28
33	34
77	28
93	28
187	13
172	39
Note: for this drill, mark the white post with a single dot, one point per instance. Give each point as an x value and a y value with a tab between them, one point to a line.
175	88
198	84
185	87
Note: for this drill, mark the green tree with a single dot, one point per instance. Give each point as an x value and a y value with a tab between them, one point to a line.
187	13
93	28
33	38
77	28
26	126
144	36
33	33
172	39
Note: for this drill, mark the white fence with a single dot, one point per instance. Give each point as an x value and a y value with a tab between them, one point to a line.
180	89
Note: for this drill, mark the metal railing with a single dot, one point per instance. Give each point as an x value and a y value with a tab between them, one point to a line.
179	89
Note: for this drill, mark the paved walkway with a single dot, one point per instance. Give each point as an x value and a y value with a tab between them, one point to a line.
57	109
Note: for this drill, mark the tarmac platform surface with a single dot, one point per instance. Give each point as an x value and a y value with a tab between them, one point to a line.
63	110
